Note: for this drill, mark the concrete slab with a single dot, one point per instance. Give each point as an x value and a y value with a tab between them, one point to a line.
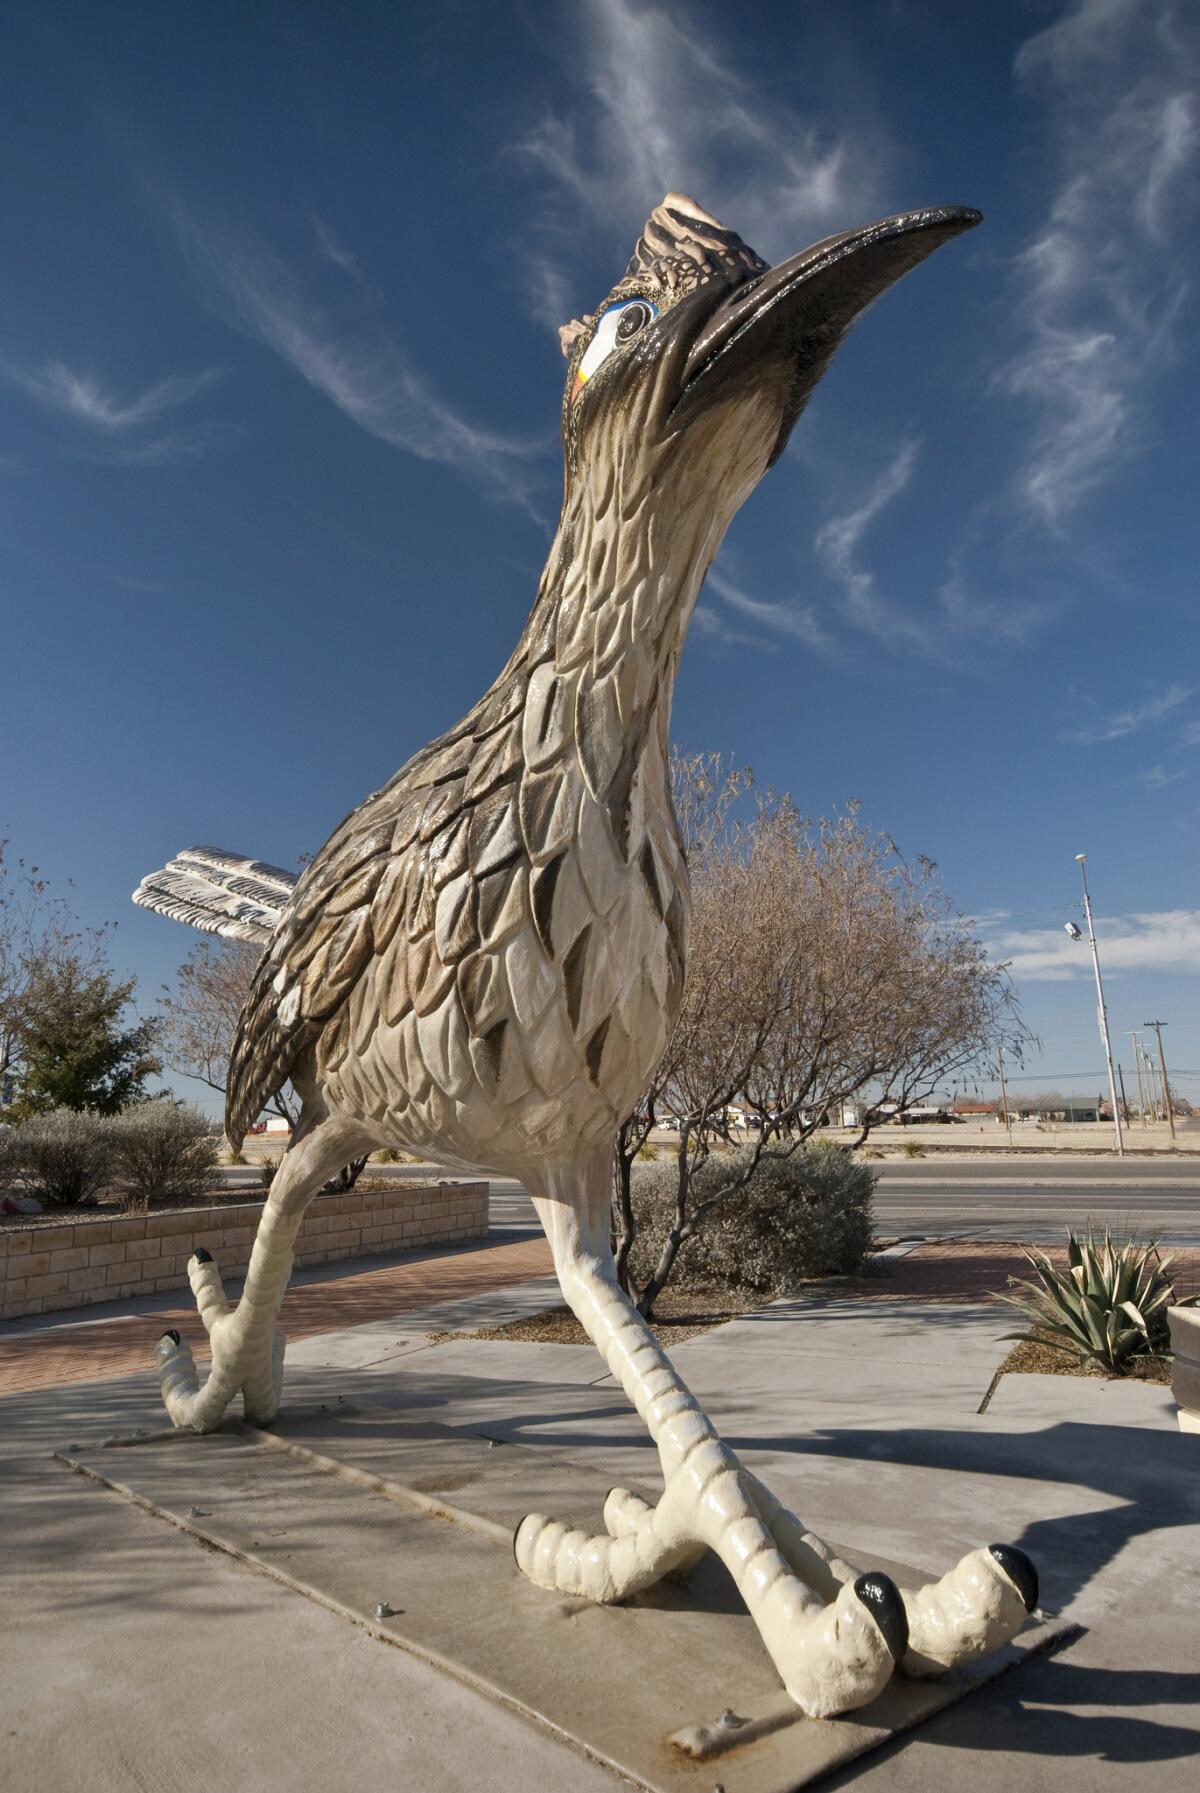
133	1662
379	1341
403	1528
130	1658
1086	1400
518	1360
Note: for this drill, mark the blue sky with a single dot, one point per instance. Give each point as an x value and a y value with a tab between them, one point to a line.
279	387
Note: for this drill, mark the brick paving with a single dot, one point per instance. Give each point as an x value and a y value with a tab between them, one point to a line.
947	1270
958	1270
91	1353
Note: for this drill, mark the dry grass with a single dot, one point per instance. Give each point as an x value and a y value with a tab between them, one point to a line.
680	1314
1031	1358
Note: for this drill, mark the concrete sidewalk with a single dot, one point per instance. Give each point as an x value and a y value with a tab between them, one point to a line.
134	1658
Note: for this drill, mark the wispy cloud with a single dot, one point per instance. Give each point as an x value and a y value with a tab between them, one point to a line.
355	362
125	430
1097	290
799	622
972	611
1156	779
334	250
713	627
1162	940
662	107
81	396
838	543
1129	720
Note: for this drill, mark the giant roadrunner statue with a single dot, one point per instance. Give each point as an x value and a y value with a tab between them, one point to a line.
483	963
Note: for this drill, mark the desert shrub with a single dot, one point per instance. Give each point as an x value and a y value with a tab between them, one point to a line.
912	1148
63	1157
8	1156
1108	1307
162	1149
803	1216
389	1155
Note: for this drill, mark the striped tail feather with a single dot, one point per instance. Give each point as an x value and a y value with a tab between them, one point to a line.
220	893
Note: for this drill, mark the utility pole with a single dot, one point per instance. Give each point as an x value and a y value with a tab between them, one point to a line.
1137	1066
1151	1077
1102	1012
1162	1059
1124	1099
1004	1095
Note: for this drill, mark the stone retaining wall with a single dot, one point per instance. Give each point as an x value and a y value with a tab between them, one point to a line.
43	1268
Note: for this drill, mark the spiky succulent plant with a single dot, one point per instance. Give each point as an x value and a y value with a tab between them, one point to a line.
1107	1306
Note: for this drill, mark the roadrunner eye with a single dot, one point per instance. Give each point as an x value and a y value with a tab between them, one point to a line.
619	323
632	319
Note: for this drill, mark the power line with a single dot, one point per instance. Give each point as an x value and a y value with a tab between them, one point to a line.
1041	1076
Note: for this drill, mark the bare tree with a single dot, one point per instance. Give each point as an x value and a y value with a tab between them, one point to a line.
202	1015
821	967
201	1024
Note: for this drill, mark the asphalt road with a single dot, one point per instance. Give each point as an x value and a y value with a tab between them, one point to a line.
991	1200
1041	1198
1032	1199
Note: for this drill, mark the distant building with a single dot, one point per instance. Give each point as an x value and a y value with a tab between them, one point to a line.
1062	1110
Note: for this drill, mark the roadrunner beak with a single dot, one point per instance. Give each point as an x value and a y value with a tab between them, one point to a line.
782	327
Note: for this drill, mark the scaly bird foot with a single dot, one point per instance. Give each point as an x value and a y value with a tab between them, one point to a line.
832	1657
247	1355
976	1607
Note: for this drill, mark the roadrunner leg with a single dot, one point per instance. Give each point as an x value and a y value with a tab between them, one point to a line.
975	1608
831	1656
832	1632
247	1345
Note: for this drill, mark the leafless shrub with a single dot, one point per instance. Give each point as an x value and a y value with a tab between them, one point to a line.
65	1157
798	1217
162	1150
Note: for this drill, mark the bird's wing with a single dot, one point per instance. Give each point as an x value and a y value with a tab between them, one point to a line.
220	893
345	906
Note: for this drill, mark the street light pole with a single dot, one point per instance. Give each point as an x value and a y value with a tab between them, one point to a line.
1004	1094
1081	861
1162	1060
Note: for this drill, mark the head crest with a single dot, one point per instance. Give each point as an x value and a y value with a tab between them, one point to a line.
680	248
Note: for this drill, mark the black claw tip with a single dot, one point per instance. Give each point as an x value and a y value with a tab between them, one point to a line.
516	1535
1020	1571
173	1336
881	1597
201	1256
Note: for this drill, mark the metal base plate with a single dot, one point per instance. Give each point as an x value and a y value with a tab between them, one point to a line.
404	1528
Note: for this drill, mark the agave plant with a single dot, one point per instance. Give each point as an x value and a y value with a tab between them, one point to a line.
1109	1305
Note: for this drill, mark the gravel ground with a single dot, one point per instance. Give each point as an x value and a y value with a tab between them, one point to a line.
681	1314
